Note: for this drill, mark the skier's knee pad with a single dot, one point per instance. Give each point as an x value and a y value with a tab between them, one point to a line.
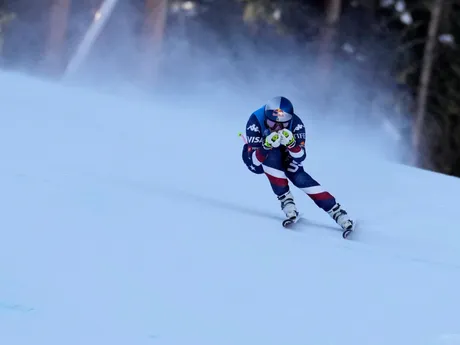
247	159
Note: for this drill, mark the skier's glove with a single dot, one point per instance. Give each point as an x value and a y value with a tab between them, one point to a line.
287	138
272	141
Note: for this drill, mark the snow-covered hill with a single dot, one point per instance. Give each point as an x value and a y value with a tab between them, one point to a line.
119	227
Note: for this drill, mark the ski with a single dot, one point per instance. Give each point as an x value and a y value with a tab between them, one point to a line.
347	232
290	221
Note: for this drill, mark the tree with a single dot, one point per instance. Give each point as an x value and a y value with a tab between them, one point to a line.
58	21
423	91
328	34
442	119
156	12
5	19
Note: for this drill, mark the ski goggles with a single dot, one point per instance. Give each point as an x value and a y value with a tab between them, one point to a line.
280	115
277	125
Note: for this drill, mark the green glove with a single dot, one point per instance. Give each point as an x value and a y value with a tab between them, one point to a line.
287	138
272	141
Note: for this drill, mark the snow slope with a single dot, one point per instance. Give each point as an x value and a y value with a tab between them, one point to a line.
118	228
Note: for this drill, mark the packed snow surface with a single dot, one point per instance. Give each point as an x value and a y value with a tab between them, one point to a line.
135	222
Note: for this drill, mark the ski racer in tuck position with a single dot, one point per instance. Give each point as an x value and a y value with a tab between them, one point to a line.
275	146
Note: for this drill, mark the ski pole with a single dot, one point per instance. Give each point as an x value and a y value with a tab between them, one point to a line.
242	137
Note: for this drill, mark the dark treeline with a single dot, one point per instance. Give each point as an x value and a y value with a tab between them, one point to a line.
400	58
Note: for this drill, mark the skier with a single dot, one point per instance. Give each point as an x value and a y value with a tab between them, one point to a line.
275	146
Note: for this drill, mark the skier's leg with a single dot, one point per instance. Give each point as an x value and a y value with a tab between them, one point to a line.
322	198
273	169
302	180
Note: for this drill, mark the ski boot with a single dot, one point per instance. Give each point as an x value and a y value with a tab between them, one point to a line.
289	208
341	217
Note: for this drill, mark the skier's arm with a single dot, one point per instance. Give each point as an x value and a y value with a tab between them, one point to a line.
296	143
256	151
298	152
